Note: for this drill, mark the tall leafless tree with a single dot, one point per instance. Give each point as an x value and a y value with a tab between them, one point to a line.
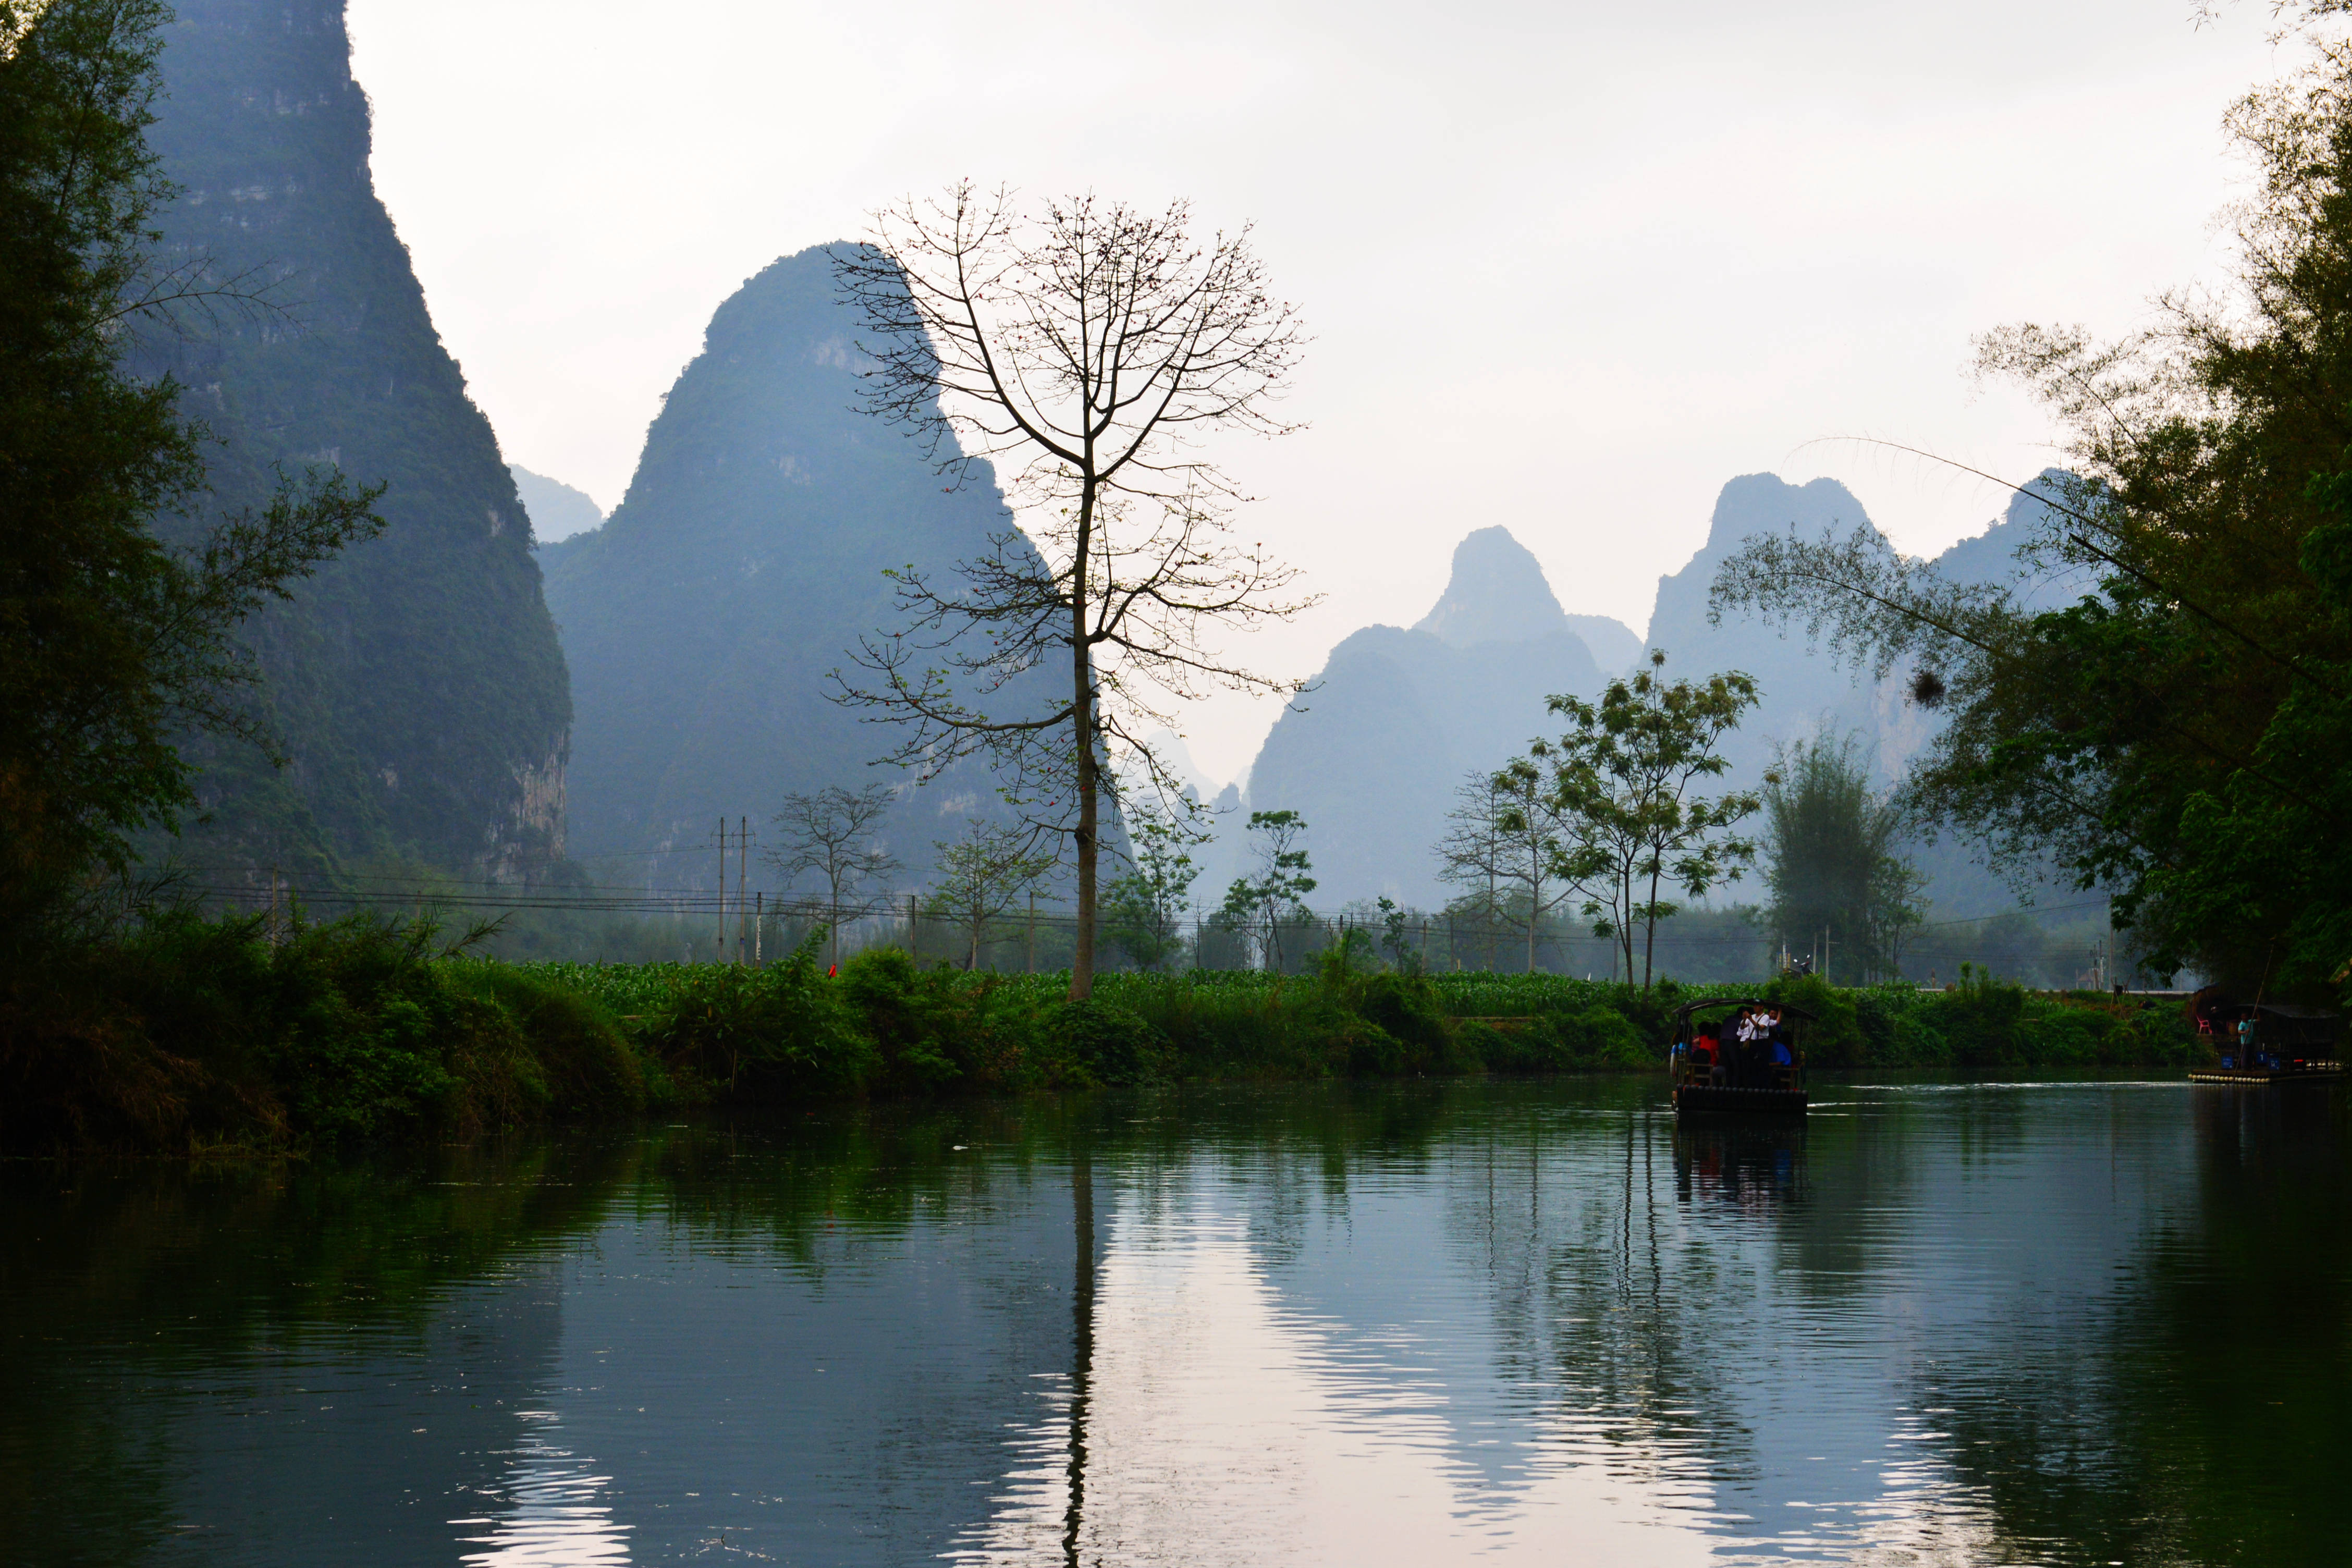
834	833
1085	349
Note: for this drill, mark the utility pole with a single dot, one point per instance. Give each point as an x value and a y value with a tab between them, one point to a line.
1033	931
914	947
723	889
759	927
742	861
273	906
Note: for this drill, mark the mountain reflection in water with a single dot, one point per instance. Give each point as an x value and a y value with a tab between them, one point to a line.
1491	1321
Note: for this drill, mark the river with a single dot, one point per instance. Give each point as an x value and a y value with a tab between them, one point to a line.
1435	1323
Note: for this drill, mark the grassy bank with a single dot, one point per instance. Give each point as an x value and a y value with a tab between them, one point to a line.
189	1034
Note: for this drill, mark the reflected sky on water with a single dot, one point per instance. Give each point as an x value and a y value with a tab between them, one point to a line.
1507	1322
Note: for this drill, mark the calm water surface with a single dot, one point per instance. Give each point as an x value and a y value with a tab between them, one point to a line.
2064	1323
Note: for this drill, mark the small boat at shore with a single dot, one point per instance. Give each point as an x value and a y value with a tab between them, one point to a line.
2265	1042
1738	1055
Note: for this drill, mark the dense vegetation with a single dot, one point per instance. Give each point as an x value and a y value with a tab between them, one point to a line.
213	1036
2180	734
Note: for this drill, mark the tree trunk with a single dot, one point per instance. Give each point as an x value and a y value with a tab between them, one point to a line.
1535	907
1626	921
1650	930
1082	728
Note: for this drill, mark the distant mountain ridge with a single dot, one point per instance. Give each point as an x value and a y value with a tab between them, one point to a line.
557	510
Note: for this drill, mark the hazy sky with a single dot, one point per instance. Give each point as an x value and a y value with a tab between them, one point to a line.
1568	267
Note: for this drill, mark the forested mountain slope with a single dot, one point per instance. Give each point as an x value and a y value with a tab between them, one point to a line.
702	621
416	681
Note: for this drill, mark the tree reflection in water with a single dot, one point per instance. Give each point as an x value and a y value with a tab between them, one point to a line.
2045	1323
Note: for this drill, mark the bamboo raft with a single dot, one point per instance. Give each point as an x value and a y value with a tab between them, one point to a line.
1711	1078
2265	1042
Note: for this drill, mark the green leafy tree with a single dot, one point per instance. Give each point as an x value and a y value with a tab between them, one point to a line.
114	645
1260	905
982	874
1897	911
1396	937
1624	778
1144	910
1830	859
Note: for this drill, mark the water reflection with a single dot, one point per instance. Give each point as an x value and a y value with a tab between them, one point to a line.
1755	1167
2051	1323
557	1513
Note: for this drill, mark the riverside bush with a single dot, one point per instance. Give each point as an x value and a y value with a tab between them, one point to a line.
188	1032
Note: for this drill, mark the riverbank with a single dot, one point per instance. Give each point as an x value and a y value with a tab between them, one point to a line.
191	1034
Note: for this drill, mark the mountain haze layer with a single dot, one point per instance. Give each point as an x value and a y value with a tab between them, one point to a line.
557	510
416	681
1371	757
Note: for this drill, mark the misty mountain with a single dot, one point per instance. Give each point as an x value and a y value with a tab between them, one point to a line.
1371	757
1615	646
703	619
1805	692
416	681
557	510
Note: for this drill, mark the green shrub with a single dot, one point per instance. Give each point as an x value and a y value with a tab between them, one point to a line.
1833	1037
765	1033
1105	1042
1606	1037
1983	1020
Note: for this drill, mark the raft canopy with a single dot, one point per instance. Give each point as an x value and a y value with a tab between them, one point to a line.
2277	1025
2286	1023
1683	1013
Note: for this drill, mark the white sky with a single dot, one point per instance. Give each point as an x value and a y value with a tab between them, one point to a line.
1568	267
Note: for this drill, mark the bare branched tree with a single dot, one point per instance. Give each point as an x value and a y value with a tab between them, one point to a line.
1085	350
834	834
983	873
1475	851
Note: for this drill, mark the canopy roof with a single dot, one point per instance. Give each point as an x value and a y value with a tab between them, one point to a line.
1683	1013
